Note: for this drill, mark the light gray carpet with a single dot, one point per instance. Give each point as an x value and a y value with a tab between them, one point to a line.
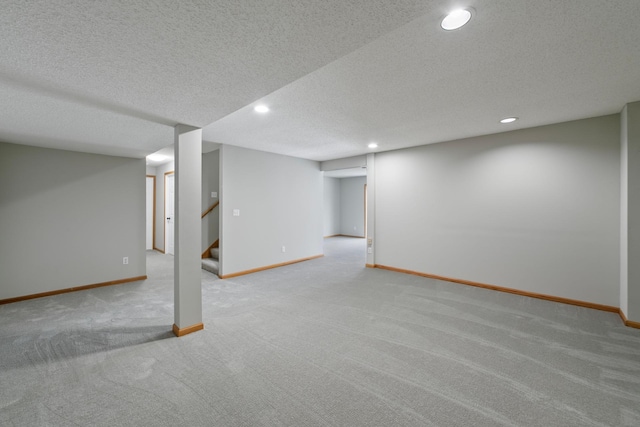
321	343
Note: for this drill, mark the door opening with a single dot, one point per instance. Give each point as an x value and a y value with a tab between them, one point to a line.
169	211
151	213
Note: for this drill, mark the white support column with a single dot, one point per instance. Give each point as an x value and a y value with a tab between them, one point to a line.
371	208
221	207
630	214
187	274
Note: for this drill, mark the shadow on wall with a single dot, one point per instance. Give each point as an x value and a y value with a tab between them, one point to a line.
55	165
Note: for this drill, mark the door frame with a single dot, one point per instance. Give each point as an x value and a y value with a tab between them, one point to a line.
153	217
164	216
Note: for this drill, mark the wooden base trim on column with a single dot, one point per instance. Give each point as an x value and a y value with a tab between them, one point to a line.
268	267
179	332
370	265
632	324
73	289
627	322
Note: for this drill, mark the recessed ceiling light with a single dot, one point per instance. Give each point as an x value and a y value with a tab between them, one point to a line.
373	145
156	157
455	19
261	109
508	120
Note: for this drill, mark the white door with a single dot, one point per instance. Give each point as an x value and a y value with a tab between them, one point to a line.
169	202
151	186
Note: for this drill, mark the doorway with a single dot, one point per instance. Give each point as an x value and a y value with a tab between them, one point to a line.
151	213
169	211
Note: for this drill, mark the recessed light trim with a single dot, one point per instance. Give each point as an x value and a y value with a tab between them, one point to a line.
508	120
156	157
456	19
261	109
372	145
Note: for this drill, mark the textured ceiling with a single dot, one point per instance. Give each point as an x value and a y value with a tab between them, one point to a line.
141	67
113	77
544	61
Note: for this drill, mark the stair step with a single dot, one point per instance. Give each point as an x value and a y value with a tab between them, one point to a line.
215	253
211	265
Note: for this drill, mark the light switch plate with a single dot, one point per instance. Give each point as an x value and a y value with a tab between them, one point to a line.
214	194
236	212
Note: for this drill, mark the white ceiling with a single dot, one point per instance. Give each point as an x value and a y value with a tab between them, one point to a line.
114	77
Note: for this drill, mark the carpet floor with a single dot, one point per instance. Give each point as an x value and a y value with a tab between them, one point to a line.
325	342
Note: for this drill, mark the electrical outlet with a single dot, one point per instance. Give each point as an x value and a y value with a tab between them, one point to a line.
354	228
125	260
214	194
284	249
369	250
236	212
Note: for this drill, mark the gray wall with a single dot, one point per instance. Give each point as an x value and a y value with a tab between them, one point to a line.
210	183
352	206
280	204
331	206
67	219
536	209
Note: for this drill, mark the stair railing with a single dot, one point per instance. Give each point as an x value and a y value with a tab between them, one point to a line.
212	207
215	244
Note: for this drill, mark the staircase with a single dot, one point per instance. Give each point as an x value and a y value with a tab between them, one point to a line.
211	264
211	256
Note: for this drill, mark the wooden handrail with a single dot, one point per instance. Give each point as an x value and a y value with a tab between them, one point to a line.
213	206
